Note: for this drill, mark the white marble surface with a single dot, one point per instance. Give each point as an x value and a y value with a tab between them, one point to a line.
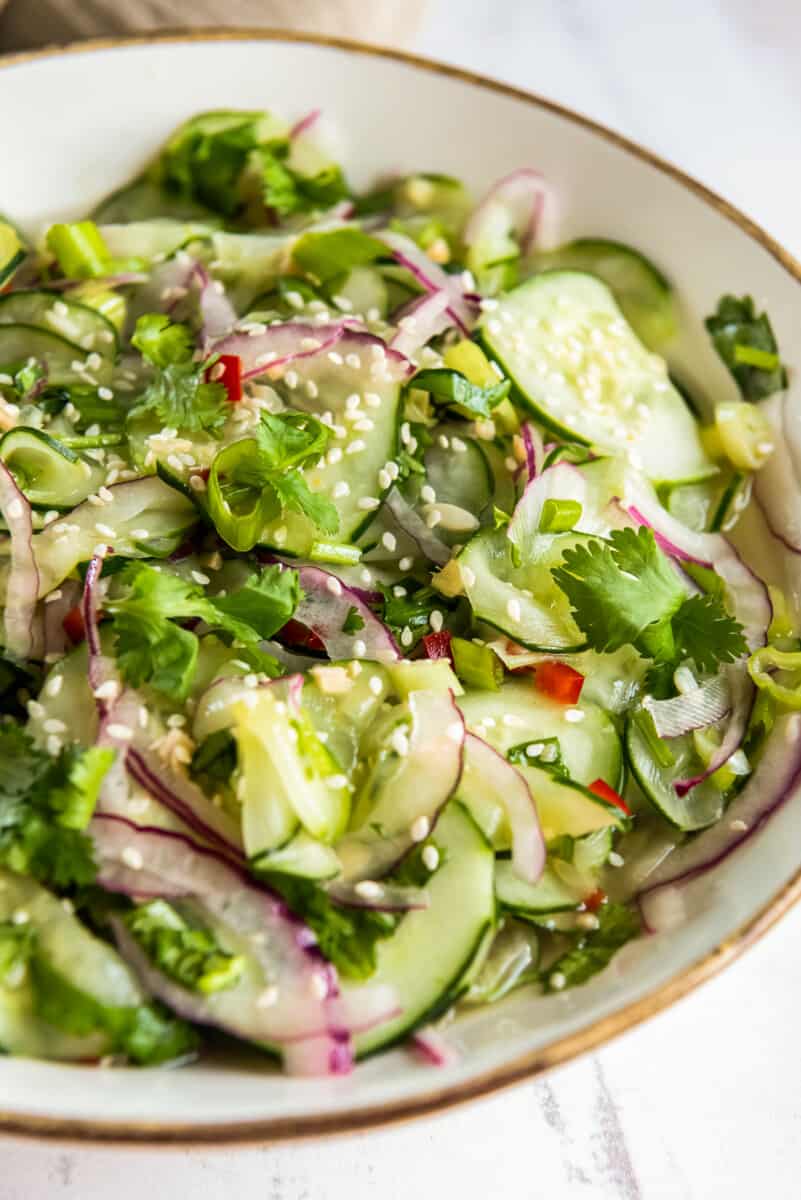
702	1102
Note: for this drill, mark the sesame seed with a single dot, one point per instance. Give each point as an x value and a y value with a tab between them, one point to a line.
356	447
468	576
104	530
738	826
433	518
20	917
615	859
368	503
335	358
106	495
366	575
587	921
217	372
333	585
109	690
435	620
132	858
312	391
372	399
534	749
251	680
53	725
318	984
557	981
36	710
574	715
427	494
458	445
430	857
53	596
334	455
197	483
375	685
513	609
200	578
406	563
54	685
122	733
105	393
53	744
269	996
340	489
354	361
400	742
389	541
384	479
406	637
16	508
399	591
291	379
359	648
420	829
369	889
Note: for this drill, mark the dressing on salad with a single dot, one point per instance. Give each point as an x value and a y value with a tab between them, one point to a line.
373	638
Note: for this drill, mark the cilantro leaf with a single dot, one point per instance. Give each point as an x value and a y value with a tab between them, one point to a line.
745	342
593	951
162	341
618	588
625	591
45	804
205	160
706	633
354	621
295	494
187	953
152	649
289	439
347	937
451	389
412	611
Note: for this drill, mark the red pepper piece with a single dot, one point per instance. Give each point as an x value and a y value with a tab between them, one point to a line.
300	636
73	625
438	645
602	789
558	681
595	900
231	377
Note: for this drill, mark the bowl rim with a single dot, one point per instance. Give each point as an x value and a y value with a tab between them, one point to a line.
598	1033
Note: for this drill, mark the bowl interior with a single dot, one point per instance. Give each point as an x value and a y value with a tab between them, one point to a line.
76	125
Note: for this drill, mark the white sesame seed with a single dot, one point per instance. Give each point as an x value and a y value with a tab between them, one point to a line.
251	680
468	576
54	685
557	981
200	578
104	530
36	710
458	445
269	996
384	479
123	733
513	609
53	725
615	859
356	447
20	917
427	494
335	358
105	393
574	715
291	379
132	858
406	563
109	690
372	399
312	391
400	742
738	826
389	541
217	372
433	518
318	983
334	455
16	507
430	857
333	585
53	744
354	361
406	637
366	575
368	889
368	503
359	648
534	749
435	620
420	829
375	685
399	591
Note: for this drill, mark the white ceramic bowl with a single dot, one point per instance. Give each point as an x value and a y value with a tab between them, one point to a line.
75	124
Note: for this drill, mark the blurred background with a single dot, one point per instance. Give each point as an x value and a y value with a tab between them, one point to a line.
701	1102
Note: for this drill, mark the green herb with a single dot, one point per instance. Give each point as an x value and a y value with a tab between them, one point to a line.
79	249
45	804
412	611
624	591
592	951
745	342
451	389
179	394
152	649
252	480
347	937
547	754
187	953
354	621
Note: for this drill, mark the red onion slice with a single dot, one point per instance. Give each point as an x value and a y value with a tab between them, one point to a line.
528	203
419	321
432	1048
431	277
23	633
776	779
325	607
498	780
535	450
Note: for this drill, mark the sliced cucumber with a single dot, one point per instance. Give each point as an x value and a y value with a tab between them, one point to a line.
522	601
701	806
12	252
49	473
78	323
151	239
303	857
566	807
580	369
145	201
148	519
549	894
364	445
67	953
518	713
431	959
65	360
640	288
461	477
423	674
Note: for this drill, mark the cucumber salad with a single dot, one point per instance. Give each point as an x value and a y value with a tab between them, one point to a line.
375	636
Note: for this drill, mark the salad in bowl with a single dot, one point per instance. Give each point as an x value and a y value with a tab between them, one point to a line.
375	637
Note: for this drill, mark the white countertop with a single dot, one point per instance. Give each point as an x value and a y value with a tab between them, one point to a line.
701	1102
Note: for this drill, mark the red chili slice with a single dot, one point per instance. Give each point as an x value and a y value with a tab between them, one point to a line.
602	789
558	681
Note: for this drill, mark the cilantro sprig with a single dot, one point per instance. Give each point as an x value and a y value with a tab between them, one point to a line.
745	341
152	647
179	395
624	591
